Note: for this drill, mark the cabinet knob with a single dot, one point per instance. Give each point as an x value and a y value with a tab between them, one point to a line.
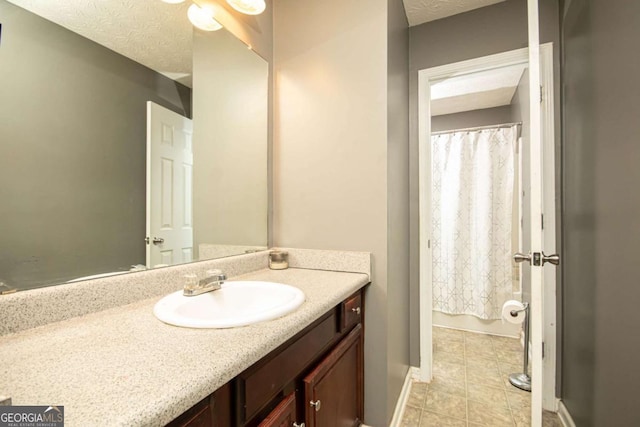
317	404
356	310
298	425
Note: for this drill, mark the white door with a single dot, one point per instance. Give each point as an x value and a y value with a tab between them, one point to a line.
536	254
169	187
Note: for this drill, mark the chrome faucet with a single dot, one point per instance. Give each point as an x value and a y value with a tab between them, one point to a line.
213	282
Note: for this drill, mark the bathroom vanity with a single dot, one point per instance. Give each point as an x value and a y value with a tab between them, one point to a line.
315	378
121	366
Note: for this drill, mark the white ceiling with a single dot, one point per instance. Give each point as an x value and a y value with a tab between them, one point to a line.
421	11
153	33
159	35
484	89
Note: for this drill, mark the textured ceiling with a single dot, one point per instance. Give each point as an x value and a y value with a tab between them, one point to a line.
421	11
476	91
153	33
159	35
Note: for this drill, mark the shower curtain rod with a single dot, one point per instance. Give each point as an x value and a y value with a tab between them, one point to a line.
504	125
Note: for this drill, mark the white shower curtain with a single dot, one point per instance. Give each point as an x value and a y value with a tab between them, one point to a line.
472	202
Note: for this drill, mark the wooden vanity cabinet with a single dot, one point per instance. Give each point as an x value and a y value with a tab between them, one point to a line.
315	379
333	391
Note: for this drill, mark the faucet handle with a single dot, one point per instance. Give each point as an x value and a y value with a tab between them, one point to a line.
190	282
216	274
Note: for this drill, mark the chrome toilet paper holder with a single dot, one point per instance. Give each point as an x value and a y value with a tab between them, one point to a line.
522	380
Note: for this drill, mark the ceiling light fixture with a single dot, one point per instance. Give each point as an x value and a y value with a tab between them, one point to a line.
248	7
173	1
202	17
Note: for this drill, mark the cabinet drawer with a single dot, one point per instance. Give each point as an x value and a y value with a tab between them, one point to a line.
260	384
351	312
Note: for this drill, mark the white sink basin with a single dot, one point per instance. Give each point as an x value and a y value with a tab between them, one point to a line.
235	304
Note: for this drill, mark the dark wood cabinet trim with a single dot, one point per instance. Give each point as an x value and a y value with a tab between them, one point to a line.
283	415
221	404
199	415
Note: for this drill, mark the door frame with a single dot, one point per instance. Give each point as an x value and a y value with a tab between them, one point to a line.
425	78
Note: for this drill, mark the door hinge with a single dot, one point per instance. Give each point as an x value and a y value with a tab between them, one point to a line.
543	349
542	221
541	92
429	243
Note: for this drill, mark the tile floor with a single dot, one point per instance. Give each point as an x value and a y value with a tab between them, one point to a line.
470	385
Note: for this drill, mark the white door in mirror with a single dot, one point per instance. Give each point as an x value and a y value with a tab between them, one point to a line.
235	304
169	187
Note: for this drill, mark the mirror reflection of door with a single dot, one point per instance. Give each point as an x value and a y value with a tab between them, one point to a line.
169	187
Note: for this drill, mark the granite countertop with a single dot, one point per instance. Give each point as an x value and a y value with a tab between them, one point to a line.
124	367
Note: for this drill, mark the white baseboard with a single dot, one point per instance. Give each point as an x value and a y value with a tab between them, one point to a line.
470	323
565	416
412	374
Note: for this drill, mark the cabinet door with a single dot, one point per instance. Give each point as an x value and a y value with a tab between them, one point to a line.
333	391
284	415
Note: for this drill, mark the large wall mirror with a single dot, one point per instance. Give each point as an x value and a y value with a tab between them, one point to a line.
128	141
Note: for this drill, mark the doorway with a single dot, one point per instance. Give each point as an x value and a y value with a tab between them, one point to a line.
460	71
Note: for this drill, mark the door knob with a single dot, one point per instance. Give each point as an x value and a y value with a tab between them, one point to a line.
520	257
553	259
317	404
158	240
298	425
356	310
538	258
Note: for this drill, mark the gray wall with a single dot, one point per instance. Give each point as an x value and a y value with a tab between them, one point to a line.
230	106
257	32
330	149
484	117
494	29
602	212
340	159
397	200
73	143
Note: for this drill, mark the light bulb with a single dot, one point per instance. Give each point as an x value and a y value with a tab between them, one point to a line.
173	1
202	17
248	7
